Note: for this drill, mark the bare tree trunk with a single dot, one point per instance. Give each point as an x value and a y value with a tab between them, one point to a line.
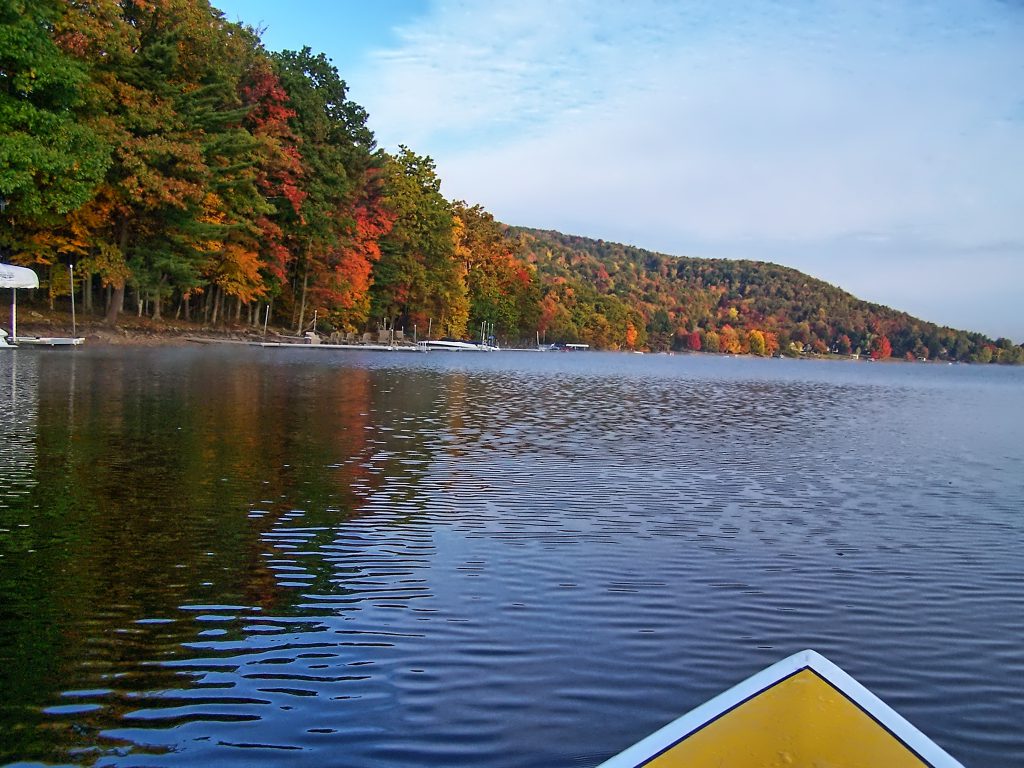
117	299
156	299
216	305
115	304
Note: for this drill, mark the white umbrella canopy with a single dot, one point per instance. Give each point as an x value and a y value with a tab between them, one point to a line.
17	277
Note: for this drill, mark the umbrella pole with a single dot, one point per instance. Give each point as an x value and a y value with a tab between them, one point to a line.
74	326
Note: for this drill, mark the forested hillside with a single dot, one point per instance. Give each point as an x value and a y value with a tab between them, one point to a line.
619	296
189	174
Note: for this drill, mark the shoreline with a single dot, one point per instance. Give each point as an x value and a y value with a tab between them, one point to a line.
138	332
132	331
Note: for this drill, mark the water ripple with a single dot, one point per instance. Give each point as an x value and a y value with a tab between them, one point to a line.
504	561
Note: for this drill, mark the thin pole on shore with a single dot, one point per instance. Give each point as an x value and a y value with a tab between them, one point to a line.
14	292
266	319
74	324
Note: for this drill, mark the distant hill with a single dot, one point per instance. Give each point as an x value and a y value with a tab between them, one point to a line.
619	296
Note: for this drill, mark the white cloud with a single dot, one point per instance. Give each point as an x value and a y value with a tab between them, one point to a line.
684	127
683	160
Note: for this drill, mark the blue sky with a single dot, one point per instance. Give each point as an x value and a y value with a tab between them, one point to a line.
876	145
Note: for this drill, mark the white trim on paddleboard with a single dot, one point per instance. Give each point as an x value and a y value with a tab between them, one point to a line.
677	731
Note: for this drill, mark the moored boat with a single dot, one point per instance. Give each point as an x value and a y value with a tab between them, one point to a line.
50	341
563	347
801	712
454	345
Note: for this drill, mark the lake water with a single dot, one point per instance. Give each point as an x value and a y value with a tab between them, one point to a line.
298	557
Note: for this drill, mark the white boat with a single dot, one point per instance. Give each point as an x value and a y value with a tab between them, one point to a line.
560	347
801	712
453	345
49	341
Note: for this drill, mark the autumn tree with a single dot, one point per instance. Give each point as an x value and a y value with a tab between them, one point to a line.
419	280
280	174
501	287
729	340
881	349
631	336
50	160
555	321
344	290
151	200
337	151
757	343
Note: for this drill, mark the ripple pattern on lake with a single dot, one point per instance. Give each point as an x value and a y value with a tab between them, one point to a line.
18	385
509	561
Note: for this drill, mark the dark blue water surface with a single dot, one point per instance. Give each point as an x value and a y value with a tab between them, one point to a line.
300	557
